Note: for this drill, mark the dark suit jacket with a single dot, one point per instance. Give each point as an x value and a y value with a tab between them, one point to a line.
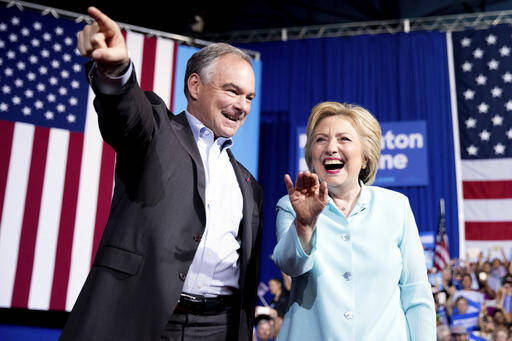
156	216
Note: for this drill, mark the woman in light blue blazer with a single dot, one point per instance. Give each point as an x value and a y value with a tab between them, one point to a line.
353	250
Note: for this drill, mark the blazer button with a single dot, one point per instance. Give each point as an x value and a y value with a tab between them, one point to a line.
197	237
183	276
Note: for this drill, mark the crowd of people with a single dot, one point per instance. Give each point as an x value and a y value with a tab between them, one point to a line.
473	301
269	318
474	298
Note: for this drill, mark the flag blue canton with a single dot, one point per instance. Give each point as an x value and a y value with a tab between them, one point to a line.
41	73
483	74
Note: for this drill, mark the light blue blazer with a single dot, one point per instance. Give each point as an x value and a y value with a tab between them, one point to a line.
365	278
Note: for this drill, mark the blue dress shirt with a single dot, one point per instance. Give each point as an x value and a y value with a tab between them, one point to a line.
365	277
215	268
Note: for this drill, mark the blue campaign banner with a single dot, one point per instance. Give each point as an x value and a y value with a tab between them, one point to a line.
403	159
246	140
428	239
301	142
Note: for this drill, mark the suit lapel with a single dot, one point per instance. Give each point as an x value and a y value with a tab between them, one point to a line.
244	181
186	138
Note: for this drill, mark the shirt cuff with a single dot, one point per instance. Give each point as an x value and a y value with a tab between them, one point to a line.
109	85
300	250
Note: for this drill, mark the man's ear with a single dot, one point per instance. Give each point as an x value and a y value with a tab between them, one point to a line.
194	84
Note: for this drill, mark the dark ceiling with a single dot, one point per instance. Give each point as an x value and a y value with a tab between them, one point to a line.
231	15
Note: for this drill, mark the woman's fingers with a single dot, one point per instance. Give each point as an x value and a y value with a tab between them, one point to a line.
289	184
323	193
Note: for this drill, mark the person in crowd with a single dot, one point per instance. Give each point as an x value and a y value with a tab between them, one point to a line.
504	296
498	270
179	257
464	315
443	333
352	249
474	297
487	284
459	333
501	334
264	328
280	298
500	318
461	306
441	310
486	327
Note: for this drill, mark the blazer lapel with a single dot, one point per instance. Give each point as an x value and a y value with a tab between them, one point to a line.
246	189
186	138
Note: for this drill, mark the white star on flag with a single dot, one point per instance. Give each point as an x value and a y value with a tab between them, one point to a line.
505	51
478	53
499	149
470	122
507	77
482	108
484	135
481	79
497	120
465	42
491	39
467	66
469	94
472	150
496	92
493	64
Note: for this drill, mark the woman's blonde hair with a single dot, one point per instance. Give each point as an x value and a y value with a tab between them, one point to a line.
366	126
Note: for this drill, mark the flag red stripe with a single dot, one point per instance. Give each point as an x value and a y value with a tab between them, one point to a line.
171	105
67	222
148	64
501	230
487	189
106	183
30	222
6	135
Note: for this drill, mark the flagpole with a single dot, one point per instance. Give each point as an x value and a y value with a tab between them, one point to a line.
456	145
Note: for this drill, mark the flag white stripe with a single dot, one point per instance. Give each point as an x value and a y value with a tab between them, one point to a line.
443	253
163	69
485	170
86	205
487	246
488	210
135	43
14	206
49	220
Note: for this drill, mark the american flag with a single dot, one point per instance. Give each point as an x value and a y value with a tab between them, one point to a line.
483	77
56	173
442	253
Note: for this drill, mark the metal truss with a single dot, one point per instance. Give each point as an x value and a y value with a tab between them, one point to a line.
77	17
440	23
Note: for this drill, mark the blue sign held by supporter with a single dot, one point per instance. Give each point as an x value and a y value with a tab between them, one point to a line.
473	337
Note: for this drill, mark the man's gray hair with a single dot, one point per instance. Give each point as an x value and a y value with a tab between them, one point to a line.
201	61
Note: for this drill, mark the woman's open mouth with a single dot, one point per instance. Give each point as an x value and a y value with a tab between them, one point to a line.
333	165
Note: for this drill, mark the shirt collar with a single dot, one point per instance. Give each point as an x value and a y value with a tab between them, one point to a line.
362	202
201	132
364	198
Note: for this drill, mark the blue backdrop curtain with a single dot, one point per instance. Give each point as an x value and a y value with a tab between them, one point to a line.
395	76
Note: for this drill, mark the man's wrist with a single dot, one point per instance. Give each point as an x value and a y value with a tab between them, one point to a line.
113	70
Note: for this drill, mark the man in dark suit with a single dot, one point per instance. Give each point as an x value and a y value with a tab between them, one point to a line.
179	257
